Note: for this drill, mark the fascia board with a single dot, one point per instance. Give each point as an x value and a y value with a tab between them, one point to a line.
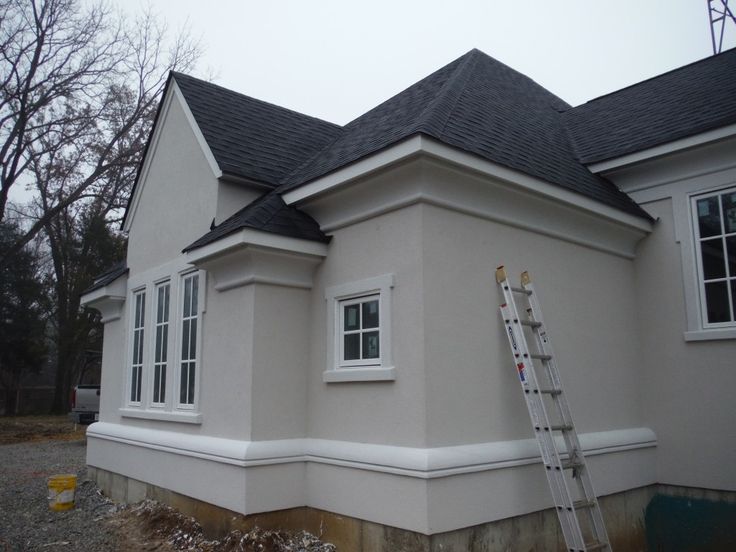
249	237
663	149
174	93
419	144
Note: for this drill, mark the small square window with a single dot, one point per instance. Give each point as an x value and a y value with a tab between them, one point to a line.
359	325
361	332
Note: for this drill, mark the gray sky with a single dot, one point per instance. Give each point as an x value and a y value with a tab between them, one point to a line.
335	59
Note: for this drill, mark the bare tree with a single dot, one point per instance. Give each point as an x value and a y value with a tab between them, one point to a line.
79	92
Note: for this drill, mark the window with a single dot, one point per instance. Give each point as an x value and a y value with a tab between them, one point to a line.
188	367
359	330
714	219
160	355
136	372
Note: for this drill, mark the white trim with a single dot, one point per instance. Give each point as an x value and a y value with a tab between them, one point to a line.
108	300
711	334
173	92
359	374
421	463
417	145
337	371
247	236
663	149
162	415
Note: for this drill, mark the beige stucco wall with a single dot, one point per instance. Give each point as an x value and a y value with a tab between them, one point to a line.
178	195
473	393
687	386
373	412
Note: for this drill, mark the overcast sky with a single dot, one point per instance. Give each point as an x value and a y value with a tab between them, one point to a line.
335	59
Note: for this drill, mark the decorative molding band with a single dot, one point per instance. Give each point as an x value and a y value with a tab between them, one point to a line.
422	463
253	279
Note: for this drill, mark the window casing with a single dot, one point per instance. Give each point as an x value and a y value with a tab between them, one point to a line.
359	331
714	225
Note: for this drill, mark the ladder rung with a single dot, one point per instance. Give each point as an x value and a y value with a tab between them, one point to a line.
551	391
595	545
571	464
561	427
583	503
531	323
520	290
542	357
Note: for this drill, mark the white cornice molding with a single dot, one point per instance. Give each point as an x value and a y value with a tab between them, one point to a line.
248	237
664	149
107	300
252	257
174	93
421	145
422	463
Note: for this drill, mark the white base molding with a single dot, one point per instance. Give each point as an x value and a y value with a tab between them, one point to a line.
427	490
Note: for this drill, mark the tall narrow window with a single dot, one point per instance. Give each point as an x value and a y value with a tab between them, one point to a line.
160	354
715	232
189	339
139	316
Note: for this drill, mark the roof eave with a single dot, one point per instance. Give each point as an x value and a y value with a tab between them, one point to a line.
420	144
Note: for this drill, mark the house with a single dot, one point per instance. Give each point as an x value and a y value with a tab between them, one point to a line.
306	331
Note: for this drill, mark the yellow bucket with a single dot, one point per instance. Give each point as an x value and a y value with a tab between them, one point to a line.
61	491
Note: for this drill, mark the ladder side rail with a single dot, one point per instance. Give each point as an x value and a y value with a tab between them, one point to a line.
550	458
571	439
553	465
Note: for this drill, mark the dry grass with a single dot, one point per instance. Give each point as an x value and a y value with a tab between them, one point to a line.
21	429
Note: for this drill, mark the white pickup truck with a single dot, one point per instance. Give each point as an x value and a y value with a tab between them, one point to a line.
85	404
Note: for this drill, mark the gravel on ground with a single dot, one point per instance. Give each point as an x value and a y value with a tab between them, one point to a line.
96	523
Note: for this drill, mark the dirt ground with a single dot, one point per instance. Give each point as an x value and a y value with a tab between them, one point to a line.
22	429
33	447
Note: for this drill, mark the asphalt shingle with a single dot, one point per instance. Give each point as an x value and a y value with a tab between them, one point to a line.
108	277
268	213
251	138
683	102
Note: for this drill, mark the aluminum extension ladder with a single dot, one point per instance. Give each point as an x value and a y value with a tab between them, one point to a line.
578	511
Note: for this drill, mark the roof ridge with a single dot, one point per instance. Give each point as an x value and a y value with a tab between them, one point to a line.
454	83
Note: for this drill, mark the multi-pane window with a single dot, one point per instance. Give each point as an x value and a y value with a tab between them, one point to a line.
715	232
139	316
160	353
360	339
188	364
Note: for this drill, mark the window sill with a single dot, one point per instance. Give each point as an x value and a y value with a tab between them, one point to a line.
359	374
163	416
711	335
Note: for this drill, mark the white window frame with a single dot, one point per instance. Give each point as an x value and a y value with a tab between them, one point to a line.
342	303
155	324
132	364
380	369
197	360
700	275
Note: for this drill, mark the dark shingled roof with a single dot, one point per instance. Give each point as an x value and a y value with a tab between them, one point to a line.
268	213
689	100
108	277
481	106
251	138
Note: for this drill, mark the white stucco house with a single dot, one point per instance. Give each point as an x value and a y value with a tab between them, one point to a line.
306	328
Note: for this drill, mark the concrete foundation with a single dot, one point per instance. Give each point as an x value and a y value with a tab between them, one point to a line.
624	514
